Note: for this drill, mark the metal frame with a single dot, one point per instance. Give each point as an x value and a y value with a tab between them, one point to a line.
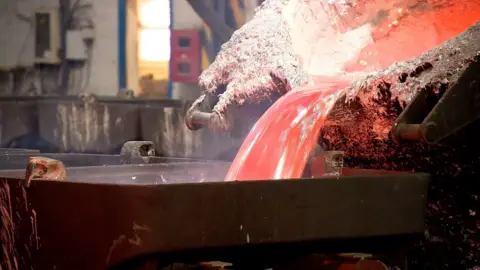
122	44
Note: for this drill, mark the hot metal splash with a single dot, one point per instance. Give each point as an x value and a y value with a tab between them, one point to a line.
349	38
281	141
7	229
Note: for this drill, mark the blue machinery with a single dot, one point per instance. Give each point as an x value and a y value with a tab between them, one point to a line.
122	45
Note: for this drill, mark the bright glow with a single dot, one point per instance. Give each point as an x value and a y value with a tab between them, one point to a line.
155	13
155	45
154	37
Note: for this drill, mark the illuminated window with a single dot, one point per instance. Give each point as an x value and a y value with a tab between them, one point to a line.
155	45
154	34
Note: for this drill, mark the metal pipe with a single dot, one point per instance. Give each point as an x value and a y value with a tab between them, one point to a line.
196	119
409	132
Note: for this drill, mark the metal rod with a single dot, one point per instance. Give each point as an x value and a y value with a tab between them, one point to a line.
200	118
196	119
409	132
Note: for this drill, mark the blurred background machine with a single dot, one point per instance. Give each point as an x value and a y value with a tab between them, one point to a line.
154	50
73	46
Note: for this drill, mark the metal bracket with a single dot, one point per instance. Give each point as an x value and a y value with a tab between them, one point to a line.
200	113
42	168
327	163
134	150
431	119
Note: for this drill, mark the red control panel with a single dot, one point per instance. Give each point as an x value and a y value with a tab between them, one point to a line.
186	57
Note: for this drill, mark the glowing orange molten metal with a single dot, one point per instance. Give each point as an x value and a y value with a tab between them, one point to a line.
280	143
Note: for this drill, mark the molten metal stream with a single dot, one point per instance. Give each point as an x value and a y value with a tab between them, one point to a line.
286	133
280	143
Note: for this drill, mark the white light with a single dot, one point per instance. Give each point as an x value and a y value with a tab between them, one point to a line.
155	45
154	38
155	13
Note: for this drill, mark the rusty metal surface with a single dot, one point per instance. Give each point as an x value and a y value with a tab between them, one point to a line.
137	150
42	168
87	123
75	126
91	124
84	223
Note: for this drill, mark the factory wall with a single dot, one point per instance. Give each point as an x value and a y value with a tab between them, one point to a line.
17	48
100	74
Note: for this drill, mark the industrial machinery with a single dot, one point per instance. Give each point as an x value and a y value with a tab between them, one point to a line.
427	108
138	211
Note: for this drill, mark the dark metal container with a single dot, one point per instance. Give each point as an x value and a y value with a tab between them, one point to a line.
102	216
